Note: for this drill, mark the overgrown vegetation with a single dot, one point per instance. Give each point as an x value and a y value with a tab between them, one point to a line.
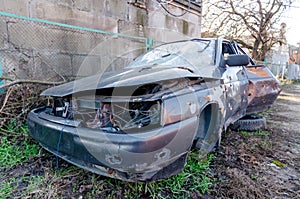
245	162
194	178
16	146
258	133
19	153
27	173
17	101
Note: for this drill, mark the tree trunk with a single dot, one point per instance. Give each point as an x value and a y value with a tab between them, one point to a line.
255	48
264	50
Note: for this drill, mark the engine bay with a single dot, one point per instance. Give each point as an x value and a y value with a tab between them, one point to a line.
120	109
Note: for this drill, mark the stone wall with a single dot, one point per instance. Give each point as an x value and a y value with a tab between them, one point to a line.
31	50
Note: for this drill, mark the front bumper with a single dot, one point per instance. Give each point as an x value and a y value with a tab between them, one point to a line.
144	156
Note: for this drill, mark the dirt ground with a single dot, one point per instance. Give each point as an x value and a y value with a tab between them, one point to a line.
261	164
264	164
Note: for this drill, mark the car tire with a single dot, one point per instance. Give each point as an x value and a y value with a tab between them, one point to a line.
251	122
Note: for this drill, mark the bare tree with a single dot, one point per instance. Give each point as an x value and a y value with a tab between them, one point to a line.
253	23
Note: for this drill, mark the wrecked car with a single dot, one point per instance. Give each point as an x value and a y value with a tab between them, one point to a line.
139	123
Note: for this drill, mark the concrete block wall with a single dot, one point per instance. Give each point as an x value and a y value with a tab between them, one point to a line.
33	49
3	34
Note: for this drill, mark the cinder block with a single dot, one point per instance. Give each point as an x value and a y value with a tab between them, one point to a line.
119	63
116	9
18	7
98	7
54	50
124	46
194	30
153	6
41	37
136	15
83	5
112	54
50	11
66	3
18	63
3	34
85	65
153	22
51	66
190	17
129	28
167	35
73	16
174	24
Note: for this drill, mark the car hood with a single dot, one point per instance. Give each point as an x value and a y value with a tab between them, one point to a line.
124	78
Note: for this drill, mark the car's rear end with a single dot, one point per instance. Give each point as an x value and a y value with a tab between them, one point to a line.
264	88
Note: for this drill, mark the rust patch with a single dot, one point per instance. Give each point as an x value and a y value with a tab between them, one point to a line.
259	71
262	93
207	98
110	171
185	68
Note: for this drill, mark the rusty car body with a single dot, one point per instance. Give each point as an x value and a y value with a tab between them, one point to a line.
139	123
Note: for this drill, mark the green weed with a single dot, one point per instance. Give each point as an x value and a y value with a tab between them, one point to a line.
6	187
34	185
269	111
278	163
261	133
194	177
266	114
258	133
22	187
253	176
245	133
16	149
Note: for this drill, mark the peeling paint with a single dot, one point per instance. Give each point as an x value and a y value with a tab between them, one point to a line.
113	159
140	123
164	154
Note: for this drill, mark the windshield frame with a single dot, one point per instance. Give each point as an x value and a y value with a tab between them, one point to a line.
160	56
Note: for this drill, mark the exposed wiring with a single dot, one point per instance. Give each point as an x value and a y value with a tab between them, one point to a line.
60	136
138	118
174	15
164	1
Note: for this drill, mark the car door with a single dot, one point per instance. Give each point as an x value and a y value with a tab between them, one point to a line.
236	85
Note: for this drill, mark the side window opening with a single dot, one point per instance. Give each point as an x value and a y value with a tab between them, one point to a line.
241	51
227	50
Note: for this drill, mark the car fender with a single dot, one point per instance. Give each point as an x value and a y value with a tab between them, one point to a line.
210	126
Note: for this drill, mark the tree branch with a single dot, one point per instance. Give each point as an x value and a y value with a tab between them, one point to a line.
6	98
244	44
251	22
24	81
